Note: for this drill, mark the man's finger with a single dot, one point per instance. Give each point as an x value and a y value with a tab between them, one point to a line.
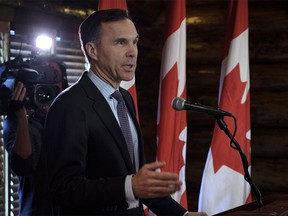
154	165
18	92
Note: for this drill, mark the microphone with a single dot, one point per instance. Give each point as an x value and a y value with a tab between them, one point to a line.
179	104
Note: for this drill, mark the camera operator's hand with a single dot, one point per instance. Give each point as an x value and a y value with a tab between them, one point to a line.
16	102
149	183
22	145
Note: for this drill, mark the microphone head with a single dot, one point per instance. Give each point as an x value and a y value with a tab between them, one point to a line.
178	103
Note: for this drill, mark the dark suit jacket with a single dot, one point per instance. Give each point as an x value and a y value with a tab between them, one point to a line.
87	157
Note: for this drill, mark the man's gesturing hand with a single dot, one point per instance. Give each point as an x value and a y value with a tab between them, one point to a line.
149	183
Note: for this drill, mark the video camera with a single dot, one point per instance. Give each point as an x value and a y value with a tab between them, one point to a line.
38	76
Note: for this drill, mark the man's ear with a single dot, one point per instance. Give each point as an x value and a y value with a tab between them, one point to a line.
91	50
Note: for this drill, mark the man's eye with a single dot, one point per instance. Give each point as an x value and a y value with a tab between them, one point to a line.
121	42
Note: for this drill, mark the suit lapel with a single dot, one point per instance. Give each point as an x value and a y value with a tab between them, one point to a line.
104	112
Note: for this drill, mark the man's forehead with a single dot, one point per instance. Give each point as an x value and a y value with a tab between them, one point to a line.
120	27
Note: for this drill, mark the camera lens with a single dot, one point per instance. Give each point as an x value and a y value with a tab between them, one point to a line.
45	94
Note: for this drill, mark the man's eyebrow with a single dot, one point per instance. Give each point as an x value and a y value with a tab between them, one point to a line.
126	39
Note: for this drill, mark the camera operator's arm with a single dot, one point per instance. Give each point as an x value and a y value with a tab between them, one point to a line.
16	134
22	145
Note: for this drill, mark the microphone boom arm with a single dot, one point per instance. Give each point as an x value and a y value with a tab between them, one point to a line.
223	126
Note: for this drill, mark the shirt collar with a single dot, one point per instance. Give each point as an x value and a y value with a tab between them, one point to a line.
105	88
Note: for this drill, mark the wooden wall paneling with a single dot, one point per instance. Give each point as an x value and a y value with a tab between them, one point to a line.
269	143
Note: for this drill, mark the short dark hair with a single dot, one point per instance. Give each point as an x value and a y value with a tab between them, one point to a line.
89	29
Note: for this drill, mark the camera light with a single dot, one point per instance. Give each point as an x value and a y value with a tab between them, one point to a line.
44	42
12	29
58	38
12	32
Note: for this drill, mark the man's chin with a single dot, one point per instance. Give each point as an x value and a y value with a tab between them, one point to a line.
128	78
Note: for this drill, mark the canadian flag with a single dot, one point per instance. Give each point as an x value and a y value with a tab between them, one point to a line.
128	85
223	184
171	124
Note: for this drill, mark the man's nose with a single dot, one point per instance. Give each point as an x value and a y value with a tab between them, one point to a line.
132	50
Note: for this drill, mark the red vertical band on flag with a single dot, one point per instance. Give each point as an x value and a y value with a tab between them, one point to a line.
223	184
128	85
112	4
172	126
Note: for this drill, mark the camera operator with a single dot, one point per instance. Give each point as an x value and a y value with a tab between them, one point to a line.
23	132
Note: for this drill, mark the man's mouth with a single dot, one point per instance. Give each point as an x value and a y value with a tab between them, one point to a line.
129	67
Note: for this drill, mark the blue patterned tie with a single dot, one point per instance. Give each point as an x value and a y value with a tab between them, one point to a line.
124	122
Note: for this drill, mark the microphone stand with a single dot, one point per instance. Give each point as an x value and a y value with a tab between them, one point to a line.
247	177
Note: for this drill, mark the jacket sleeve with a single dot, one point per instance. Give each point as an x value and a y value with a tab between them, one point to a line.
20	166
165	206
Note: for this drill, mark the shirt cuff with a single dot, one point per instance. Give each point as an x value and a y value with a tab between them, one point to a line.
186	213
130	198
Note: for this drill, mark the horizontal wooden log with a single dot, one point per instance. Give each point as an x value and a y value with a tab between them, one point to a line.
269	143
270	174
265	77
269	109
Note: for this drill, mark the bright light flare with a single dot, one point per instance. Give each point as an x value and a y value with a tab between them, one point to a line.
44	42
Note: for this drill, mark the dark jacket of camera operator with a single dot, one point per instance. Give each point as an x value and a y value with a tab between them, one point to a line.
24	161
23	140
23	136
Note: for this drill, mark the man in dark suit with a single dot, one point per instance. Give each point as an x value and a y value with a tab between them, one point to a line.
90	167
